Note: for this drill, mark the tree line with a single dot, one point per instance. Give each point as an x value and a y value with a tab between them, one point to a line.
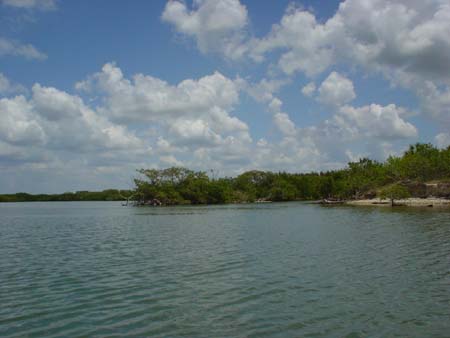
364	178
105	195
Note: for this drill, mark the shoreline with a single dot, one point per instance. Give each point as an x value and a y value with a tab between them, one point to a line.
406	202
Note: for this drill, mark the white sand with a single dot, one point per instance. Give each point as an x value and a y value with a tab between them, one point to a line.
410	202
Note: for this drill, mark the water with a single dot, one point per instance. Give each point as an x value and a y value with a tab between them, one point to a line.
275	270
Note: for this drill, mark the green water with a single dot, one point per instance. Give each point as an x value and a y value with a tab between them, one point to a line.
275	270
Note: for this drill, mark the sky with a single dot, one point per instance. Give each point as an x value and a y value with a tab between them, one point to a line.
90	91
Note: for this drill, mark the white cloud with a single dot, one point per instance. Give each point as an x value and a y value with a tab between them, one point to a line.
384	122
164	147
31	4
170	161
435	100
443	140
336	90
192	112
263	90
69	123
370	129
143	121
407	37
145	98
54	105
309	89
15	48
18	124
294	153
7	87
411	36
284	123
303	37
55	120
408	42
382	35
275	105
216	25
262	142
195	132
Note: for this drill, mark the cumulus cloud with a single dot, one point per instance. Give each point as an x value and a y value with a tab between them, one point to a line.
145	98
170	161
31	4
195	125
284	123
309	89
54	122
383	35
303	37
70	124
336	90
140	121
16	48
19	125
410	36
193	111
195	132
7	87
4	84
443	140
53	127
408	42
263	91
216	25
296	151
384	122
435	100
328	144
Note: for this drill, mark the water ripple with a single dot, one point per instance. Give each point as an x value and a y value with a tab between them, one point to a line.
97	269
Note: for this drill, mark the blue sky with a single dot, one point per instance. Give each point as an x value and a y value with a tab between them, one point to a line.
92	90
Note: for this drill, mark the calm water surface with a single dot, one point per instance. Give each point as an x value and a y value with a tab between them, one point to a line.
275	270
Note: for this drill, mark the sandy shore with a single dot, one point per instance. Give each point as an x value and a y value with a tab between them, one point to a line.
409	202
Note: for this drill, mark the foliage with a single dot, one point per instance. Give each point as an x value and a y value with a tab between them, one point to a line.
420	163
105	195
395	192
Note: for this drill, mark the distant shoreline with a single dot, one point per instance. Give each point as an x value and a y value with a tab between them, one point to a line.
430	202
78	196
